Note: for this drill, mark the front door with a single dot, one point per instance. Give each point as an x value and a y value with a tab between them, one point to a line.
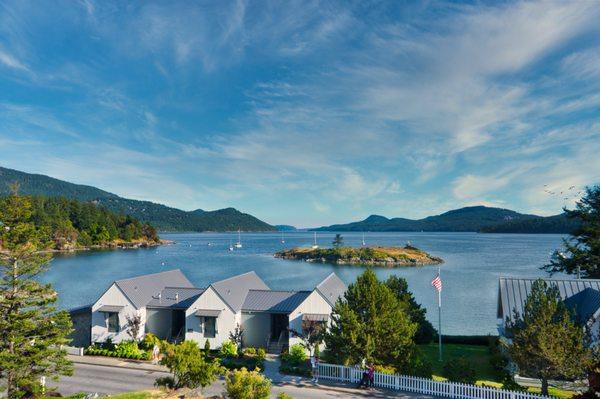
177	324
279	325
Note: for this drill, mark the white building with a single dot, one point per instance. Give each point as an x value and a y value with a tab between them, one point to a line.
170	307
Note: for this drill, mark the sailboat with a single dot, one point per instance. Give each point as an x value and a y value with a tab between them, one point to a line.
230	246
239	243
315	246
282	240
363	240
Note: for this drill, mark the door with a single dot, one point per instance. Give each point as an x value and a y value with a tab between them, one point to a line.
279	325
177	324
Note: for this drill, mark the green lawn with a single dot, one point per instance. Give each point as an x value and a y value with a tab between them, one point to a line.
479	356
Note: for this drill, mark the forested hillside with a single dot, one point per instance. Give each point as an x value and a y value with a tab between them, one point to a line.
162	217
70	224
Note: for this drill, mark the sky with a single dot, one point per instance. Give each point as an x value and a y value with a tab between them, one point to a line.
307	113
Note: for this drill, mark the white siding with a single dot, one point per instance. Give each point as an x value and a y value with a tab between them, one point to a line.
115	297
314	303
226	322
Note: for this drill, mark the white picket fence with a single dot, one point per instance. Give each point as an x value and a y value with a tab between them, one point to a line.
420	385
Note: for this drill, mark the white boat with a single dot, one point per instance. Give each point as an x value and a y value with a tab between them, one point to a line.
315	246
230	246
282	239
239	243
363	240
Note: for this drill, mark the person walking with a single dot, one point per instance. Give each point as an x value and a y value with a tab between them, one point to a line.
371	375
314	363
155	354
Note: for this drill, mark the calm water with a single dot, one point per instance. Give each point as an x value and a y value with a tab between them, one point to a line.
473	263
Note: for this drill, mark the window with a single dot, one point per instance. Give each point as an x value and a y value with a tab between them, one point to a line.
210	327
112	321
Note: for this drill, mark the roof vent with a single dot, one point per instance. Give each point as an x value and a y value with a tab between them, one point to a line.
177	297
159	296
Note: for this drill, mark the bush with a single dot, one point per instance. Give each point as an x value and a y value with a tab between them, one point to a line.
283	395
385	369
250	351
189	366
165	382
228	349
235	363
297	354
149	341
261	354
244	384
460	370
302	370
509	383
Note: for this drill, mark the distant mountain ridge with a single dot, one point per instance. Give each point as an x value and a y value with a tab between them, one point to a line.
162	217
474	218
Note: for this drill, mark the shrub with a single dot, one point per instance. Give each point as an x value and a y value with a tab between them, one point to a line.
244	384
165	382
283	395
149	341
385	369
460	370
261	354
302	370
250	351
189	366
228	349
297	354
207	347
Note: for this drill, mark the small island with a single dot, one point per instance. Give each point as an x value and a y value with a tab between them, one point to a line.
365	256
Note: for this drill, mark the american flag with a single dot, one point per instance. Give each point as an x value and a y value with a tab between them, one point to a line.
437	283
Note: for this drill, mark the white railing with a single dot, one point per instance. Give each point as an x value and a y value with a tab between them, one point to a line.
447	389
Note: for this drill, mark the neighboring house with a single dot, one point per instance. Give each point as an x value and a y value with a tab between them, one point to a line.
170	307
581	297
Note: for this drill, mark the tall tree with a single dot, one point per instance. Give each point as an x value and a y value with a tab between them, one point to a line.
370	323
425	331
547	343
31	329
582	248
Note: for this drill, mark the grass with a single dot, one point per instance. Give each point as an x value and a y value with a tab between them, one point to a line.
478	355
138	395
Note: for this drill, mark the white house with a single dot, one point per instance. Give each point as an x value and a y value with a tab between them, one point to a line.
170	307
581	297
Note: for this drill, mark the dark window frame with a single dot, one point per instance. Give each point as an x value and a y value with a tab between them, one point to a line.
206	332
115	325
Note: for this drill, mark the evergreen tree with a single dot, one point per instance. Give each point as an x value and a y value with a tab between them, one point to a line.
582	248
547	343
425	331
31	329
369	322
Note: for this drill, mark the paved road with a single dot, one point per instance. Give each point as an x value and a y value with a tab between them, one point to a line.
91	378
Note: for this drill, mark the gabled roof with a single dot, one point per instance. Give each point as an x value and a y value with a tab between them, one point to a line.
140	290
512	292
331	288
175	297
274	301
234	290
584	304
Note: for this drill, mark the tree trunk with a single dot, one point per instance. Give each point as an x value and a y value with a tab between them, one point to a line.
544	386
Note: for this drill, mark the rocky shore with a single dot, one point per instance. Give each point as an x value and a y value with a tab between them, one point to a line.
114	245
368	256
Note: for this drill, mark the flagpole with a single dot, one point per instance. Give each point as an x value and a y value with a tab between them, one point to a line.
439	320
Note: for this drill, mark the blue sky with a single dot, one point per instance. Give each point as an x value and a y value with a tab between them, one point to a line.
305	112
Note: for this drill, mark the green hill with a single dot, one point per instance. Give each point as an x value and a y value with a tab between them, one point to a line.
162	217
474	218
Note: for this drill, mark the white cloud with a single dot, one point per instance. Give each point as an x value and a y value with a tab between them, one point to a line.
11	62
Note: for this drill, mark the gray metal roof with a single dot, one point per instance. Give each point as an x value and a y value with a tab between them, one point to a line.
584	304
332	288
207	313
175	297
512	292
140	290
235	289
274	301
